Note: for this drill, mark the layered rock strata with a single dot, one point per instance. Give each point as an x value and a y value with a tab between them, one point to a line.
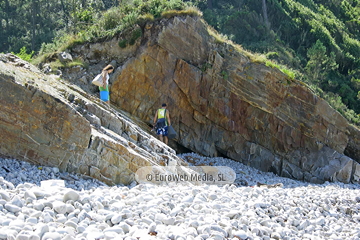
224	103
47	121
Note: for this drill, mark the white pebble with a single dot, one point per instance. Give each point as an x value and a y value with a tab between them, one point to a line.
71	195
59	207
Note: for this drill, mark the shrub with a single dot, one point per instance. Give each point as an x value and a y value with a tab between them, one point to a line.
77	62
291	74
56	65
111	19
205	67
130	19
219	38
190	11
272	55
24	55
123	43
288	72
143	19
135	35
225	75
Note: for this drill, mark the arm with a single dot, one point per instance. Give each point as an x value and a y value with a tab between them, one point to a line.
168	117
155	118
104	75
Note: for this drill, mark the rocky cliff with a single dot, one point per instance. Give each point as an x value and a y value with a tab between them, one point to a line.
221	103
47	121
224	104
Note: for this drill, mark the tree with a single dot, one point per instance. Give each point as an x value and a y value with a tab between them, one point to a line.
266	19
29	23
33	23
320	64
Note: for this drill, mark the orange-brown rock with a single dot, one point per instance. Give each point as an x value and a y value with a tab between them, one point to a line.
49	122
222	103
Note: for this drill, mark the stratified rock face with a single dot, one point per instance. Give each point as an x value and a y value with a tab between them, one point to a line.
48	122
223	104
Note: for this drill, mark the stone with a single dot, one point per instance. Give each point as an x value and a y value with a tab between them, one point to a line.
17	201
117	229
275	235
59	207
24	235
70	208
5	195
80	229
46	68
304	224
52	236
125	227
344	173
39	206
93	119
32	221
71	195
71	224
110	235
116	219
41	229
169	221
12	208
240	234
30	194
17	224
65	57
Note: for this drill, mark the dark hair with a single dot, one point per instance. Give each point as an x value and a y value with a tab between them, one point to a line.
163	105
108	67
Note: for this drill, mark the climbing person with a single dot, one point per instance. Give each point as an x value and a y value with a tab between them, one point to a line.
162	121
104	90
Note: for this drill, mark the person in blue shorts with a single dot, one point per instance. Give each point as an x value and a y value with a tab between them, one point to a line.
162	121
104	90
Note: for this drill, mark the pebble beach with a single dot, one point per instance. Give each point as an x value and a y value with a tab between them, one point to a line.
257	206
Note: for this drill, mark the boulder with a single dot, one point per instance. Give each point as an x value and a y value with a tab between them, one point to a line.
65	57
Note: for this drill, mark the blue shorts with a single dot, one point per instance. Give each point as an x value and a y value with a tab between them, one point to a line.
105	96
162	131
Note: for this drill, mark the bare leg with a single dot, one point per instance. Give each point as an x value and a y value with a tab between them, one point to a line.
166	140
161	138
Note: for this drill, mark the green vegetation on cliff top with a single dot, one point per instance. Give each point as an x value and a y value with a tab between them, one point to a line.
314	41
